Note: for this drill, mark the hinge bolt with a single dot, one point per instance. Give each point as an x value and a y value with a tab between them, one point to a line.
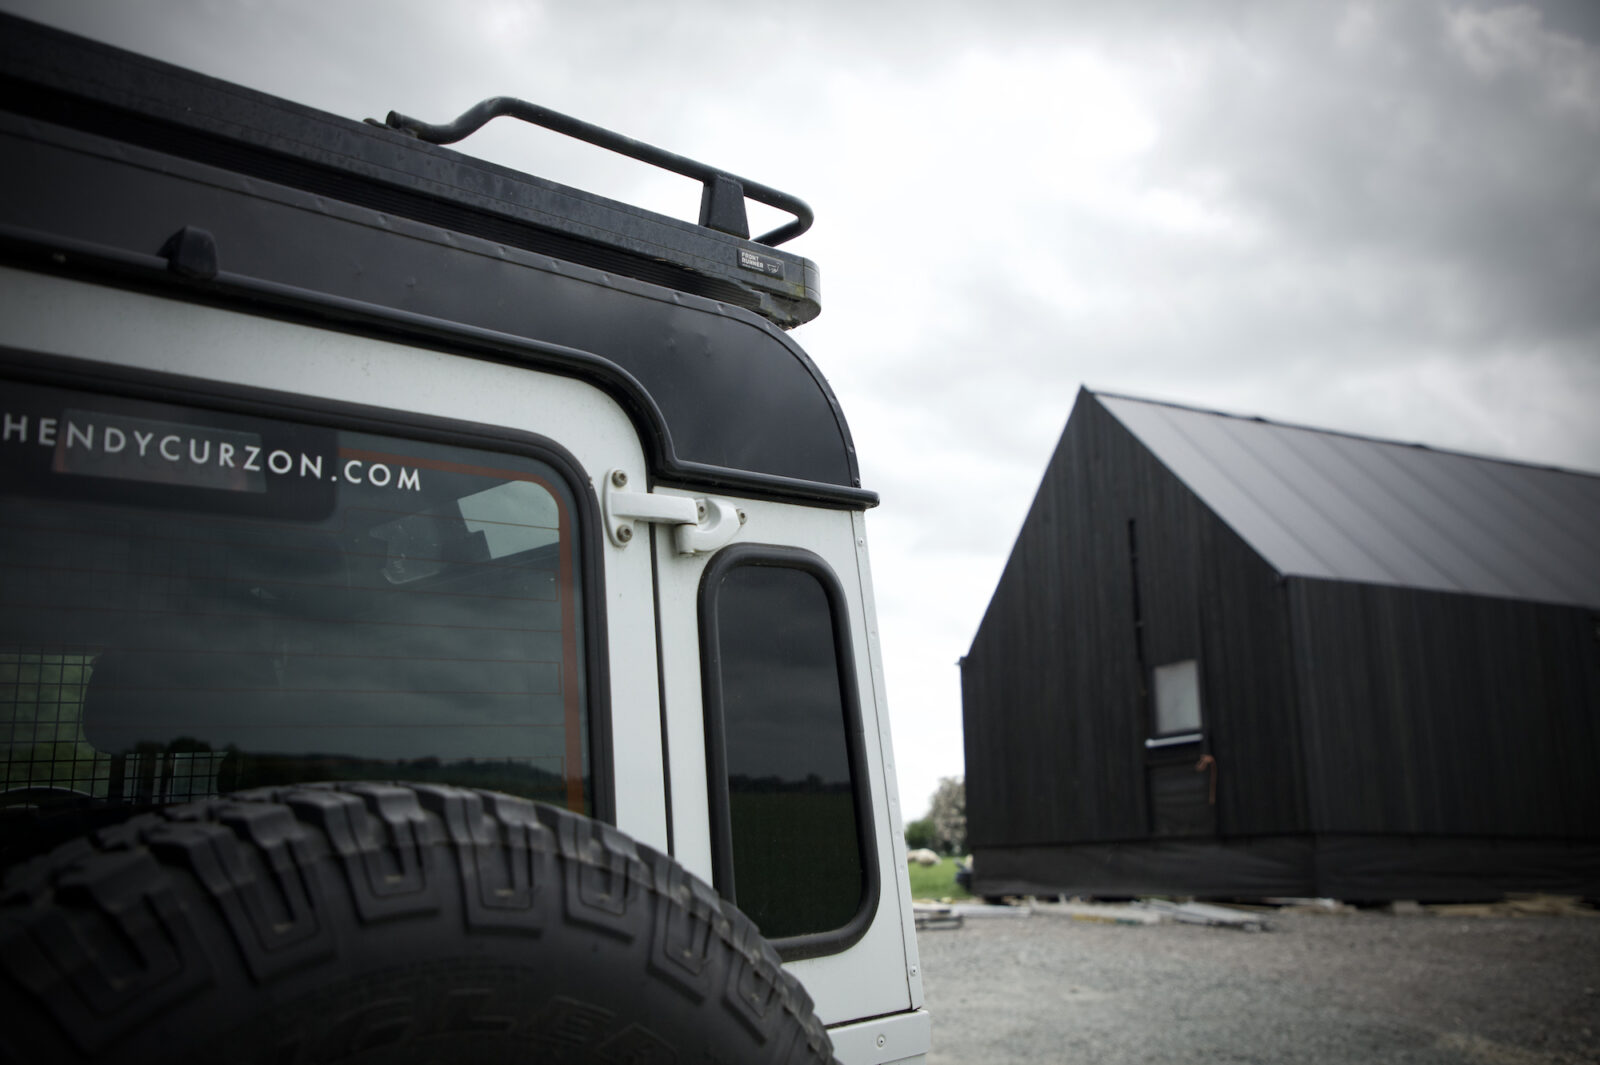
700	511
625	533
618	478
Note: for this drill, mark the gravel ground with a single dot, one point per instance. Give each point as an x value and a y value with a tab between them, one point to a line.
1365	987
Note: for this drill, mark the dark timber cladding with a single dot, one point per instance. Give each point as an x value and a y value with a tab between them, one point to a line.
1392	657
289	211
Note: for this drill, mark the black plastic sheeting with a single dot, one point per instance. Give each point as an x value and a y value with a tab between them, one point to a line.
1354	868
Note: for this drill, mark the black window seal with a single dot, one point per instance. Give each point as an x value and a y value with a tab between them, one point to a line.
813	944
63	371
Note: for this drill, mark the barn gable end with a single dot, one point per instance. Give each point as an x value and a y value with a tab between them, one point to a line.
1394	651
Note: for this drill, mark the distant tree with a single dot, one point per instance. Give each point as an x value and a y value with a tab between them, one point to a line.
948	813
920	834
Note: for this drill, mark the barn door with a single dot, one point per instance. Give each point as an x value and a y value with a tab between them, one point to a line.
1180	773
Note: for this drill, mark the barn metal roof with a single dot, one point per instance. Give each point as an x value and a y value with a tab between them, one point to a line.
1315	503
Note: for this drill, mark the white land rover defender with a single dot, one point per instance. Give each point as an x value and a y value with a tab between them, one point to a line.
431	599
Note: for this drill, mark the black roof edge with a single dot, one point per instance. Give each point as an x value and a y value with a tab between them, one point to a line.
1363	437
48	253
141	100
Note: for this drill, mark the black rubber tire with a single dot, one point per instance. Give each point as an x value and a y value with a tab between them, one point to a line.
383	922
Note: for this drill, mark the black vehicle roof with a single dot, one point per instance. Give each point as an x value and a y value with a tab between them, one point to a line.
291	211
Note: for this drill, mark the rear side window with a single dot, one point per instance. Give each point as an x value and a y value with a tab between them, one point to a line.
194	601
790	825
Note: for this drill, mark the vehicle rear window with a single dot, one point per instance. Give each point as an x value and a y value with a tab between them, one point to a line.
195	601
781	725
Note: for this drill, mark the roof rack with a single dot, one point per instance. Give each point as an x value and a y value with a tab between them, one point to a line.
722	196
396	169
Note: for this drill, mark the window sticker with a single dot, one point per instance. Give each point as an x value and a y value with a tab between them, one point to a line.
50	433
101	444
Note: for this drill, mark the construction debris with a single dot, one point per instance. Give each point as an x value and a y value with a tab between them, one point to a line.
1098	912
983	909
1510	906
1206	913
1517	906
1298	905
1143	912
932	917
1242	917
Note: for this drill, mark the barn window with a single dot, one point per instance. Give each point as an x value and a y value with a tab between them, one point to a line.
1177	700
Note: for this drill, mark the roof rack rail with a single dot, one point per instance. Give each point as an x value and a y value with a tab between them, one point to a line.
722	195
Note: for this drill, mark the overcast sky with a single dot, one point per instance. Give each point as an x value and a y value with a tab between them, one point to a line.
1376	217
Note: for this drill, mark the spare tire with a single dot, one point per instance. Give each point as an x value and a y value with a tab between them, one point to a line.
383	923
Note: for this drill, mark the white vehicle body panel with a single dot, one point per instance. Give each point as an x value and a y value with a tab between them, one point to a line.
873	976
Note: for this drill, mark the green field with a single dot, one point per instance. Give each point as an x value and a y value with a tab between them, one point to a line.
936	881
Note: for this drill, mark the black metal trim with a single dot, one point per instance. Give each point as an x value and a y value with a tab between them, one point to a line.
83	374
52	254
661	696
814	944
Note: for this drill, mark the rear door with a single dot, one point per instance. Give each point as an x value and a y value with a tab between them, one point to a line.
1179	768
779	772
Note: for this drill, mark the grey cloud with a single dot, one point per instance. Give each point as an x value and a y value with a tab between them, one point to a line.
1403	204
1392	147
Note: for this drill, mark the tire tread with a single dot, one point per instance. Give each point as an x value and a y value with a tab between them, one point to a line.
97	936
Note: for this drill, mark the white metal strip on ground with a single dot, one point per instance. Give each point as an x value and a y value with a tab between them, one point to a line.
1097	913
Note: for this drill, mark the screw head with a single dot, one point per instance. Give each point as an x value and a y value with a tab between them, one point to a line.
618	478
881	1040
744	518
625	533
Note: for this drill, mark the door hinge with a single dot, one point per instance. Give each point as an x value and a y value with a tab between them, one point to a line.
700	525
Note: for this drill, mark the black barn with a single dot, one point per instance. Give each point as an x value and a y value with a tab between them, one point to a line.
1235	658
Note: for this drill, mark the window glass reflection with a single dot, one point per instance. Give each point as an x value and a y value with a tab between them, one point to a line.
280	603
796	855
